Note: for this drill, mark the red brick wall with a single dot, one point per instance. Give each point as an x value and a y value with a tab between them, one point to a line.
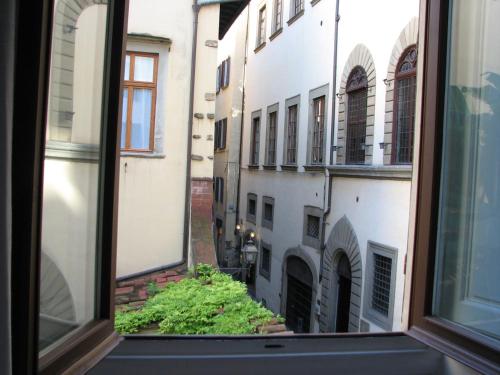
202	242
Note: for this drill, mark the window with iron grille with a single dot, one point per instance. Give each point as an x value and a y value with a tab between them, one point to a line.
296	7
261	28
255	141
318	130
251	207
291	144
357	98
405	88
312	222
380	284
278	15
313	226
267	212
271	139
220	134
265	261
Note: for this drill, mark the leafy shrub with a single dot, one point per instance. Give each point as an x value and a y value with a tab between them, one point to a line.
209	303
152	289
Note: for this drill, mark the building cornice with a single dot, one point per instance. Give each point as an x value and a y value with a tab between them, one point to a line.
387	172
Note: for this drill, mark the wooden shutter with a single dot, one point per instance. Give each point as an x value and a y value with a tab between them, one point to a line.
223	132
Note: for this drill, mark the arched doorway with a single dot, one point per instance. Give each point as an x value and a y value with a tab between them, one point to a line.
344	294
299	295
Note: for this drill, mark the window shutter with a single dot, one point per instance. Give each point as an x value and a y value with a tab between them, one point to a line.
226	77
223	134
217	81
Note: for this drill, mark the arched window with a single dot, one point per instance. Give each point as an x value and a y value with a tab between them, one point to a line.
357	94
404	110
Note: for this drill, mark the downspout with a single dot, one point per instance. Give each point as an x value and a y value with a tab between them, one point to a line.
187	205
328	177
242	121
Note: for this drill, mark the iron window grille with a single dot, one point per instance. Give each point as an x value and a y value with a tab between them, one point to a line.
404	115
357	98
255	141
291	144
381	294
318	130
297	7
271	139
313	226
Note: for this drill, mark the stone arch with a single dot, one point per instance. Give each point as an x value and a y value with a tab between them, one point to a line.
66	16
342	240
302	254
408	37
360	56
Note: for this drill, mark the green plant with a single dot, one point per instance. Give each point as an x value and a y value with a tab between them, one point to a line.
152	288
210	303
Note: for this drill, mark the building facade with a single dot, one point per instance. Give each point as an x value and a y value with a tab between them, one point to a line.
330	209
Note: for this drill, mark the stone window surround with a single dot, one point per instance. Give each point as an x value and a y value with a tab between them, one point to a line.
370	314
407	38
294	100
254	115
313	94
264	222
252	218
360	56
265	274
308	240
271	109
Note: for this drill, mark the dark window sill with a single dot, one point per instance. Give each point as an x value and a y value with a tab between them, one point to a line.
269	167
253	166
314	2
295	17
259	47
289	167
314	167
276	33
388	172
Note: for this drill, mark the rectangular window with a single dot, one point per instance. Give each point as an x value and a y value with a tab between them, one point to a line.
252	208
227	69
380	284
313	218
271	137
466	292
219	189
291	142
318	130
356	126
139	102
278	15
265	261
255	141
296	7
267	212
261	28
220	133
313	226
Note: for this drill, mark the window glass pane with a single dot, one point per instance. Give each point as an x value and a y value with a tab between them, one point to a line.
143	68
126	75
124	118
71	178
141	119
467	281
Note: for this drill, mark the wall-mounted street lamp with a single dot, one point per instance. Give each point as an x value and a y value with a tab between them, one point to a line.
249	253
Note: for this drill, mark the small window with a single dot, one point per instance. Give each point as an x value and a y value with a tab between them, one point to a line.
357	100
312	226
296	7
139	102
219	189
404	113
252	208
267	212
272	120
265	261
261	27
220	134
278	15
380	285
255	140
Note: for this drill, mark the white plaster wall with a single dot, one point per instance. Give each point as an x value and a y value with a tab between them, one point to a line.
152	190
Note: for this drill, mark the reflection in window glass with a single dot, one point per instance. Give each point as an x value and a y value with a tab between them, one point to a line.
124	118
467	288
71	166
141	118
143	68
126	75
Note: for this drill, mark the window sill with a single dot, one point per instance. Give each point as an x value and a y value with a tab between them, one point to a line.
259	47
314	2
265	275
392	172
276	33
148	155
314	167
269	167
289	167
295	17
253	166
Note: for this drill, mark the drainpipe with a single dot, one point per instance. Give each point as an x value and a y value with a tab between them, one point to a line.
328	177
187	206
242	121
